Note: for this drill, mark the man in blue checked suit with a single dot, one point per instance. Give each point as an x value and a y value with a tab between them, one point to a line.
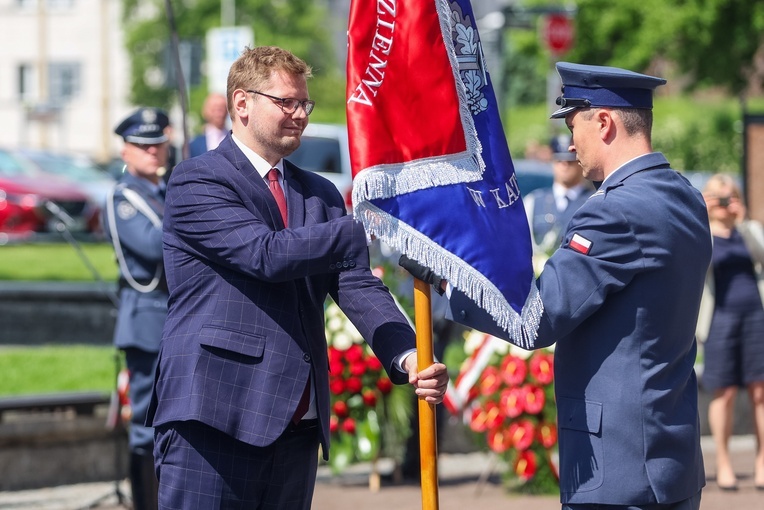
620	300
253	245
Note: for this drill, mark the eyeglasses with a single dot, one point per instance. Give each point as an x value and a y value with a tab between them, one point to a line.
289	104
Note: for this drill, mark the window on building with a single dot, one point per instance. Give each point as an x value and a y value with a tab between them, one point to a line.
64	82
27	81
58	5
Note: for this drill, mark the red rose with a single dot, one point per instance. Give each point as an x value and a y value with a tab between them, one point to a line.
513	370
370	398
349	426
354	385
334	424
525	467
486	418
493	415
534	398
547	434
384	385
490	381
335	355
373	363
512	402
542	368
336	367
358	368
477	420
522	433
354	354
337	386
499	440
340	409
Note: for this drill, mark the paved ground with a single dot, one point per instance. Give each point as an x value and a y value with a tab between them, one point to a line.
461	484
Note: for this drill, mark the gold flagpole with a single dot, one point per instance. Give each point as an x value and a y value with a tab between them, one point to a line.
427	427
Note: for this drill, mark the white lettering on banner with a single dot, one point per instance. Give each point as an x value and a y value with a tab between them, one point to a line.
476	196
381	46
502	201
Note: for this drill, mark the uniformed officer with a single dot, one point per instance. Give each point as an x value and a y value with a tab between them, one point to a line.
549	209
620	299
133	219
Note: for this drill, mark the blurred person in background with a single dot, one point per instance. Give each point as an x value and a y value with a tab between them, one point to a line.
549	209
732	322
215	115
133	222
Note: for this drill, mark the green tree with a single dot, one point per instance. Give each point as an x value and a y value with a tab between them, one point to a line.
297	25
712	42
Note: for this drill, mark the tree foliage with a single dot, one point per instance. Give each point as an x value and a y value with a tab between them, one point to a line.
713	42
297	25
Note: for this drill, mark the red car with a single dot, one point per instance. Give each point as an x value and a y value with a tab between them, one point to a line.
33	202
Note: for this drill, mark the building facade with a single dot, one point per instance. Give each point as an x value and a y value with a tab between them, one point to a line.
64	75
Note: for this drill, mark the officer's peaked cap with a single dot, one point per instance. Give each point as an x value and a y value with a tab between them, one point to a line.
559	146
585	86
144	126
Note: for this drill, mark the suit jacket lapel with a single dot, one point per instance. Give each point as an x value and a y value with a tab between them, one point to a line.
263	198
294	194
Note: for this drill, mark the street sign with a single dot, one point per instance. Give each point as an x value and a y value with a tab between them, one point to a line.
224	45
558	33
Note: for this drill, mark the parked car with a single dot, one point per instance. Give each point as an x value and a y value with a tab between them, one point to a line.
32	201
324	149
82	172
532	174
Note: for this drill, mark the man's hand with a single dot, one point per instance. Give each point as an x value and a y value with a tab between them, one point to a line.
430	383
423	273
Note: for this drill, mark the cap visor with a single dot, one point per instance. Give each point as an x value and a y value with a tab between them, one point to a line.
152	140
562	112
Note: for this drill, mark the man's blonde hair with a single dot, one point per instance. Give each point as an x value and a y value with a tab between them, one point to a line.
253	69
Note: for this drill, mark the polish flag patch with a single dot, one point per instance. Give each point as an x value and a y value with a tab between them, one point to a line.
580	244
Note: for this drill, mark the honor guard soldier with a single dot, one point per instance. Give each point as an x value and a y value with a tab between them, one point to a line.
620	300
133	219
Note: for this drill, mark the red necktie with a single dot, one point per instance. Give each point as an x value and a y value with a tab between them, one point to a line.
278	193
303	404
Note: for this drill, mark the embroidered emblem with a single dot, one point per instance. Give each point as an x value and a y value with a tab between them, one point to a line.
469	55
148	116
580	244
125	210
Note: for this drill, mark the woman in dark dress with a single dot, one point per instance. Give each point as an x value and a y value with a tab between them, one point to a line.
734	347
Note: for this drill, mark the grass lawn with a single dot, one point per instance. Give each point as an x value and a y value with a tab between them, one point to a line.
60	368
57	262
52	369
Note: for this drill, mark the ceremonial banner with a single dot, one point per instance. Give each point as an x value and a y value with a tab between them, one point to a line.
433	176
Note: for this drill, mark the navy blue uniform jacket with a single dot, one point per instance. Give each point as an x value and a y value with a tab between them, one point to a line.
141	314
246	315
623	316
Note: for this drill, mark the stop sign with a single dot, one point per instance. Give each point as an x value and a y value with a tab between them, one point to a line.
558	33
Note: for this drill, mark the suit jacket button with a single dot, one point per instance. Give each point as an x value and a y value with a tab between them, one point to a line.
306	357
346	264
352	263
331	266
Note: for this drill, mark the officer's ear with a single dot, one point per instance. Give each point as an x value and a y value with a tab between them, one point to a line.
606	120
